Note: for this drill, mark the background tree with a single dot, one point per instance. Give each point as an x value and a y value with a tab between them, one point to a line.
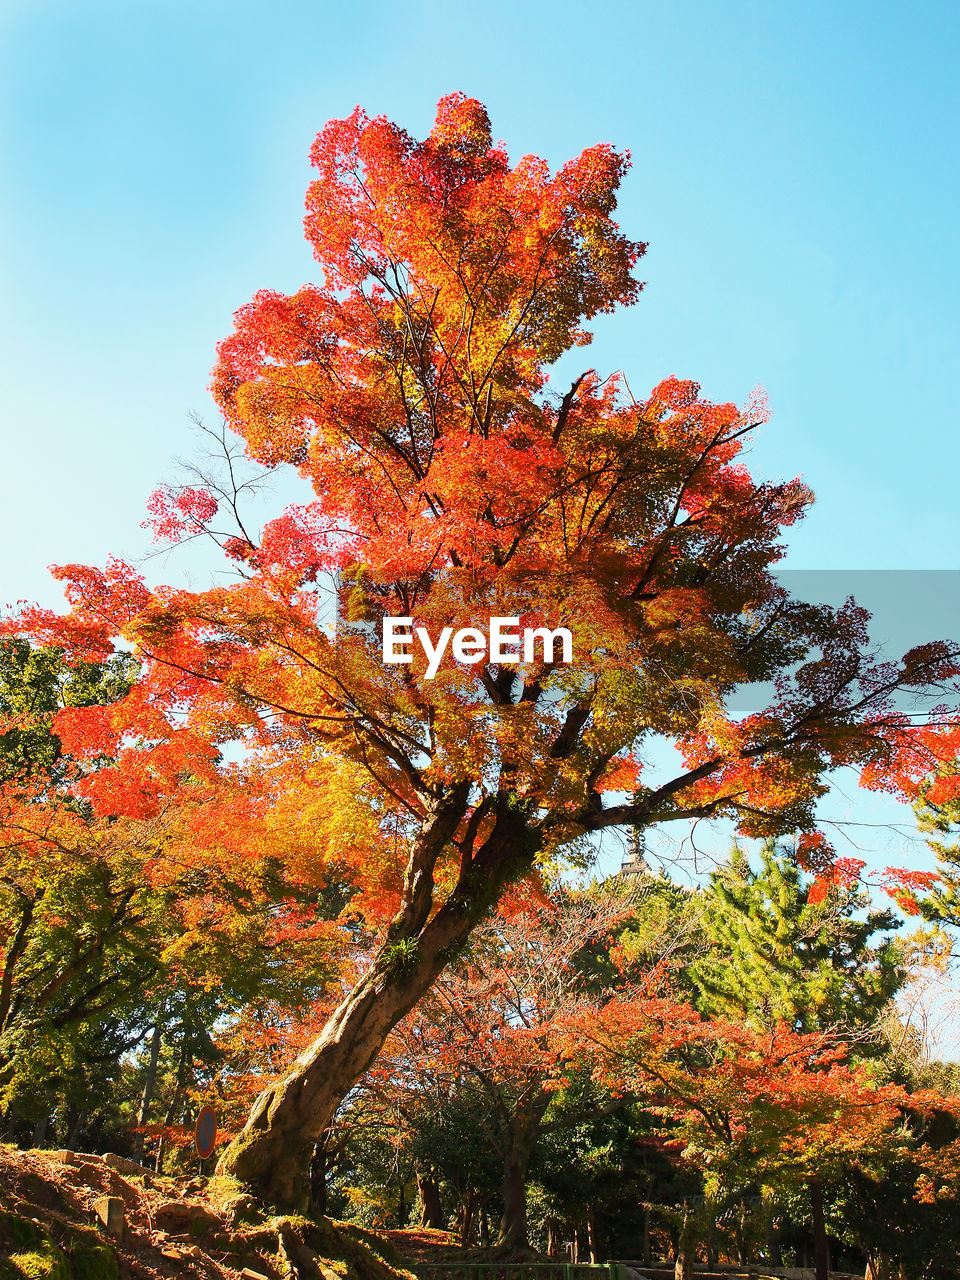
773	1109
785	950
113	931
481	1042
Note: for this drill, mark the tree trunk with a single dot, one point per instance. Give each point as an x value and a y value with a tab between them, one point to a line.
431	1211
741	1234
592	1233
524	1131
176	1100
686	1247
711	1237
273	1150
272	1153
647	1245
878	1268
321	1164
513	1222
467	1219
149	1084
821	1253
40	1130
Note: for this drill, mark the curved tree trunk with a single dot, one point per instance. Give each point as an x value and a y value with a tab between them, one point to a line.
272	1153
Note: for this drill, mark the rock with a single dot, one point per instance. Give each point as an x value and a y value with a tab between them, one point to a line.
247	1274
120	1164
62	1157
240	1208
177	1216
109	1209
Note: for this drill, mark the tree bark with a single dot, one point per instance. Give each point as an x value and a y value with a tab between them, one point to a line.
467	1219
513	1223
322	1163
431	1210
878	1268
592	1233
149	1084
175	1102
821	1253
741	1234
686	1247
272	1153
524	1131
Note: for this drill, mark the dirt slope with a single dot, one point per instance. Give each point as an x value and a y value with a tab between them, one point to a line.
67	1216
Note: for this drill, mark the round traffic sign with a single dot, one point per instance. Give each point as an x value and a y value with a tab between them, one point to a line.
205	1135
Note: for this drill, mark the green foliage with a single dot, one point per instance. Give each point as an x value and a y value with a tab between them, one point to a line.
663	924
35	683
598	1159
942	823
776	956
401	956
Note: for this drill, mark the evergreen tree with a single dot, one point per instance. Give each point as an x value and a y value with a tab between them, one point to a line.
777	954
940	817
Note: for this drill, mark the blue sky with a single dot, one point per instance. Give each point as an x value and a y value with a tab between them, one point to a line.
795	171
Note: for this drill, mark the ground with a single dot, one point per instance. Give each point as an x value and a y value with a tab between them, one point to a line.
52	1207
56	1209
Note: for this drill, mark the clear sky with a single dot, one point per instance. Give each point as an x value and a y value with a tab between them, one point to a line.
795	171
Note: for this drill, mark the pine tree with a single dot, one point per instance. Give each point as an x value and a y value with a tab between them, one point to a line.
941	818
777	954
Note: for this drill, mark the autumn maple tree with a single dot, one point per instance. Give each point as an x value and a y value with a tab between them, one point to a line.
770	1107
448	482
